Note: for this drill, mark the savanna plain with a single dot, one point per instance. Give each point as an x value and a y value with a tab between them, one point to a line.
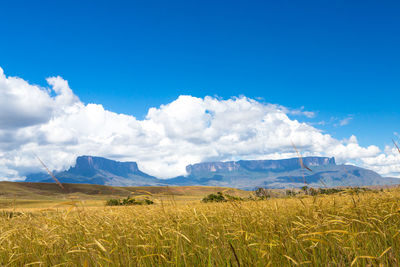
43	225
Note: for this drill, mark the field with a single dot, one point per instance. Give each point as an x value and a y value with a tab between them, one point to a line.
342	229
50	195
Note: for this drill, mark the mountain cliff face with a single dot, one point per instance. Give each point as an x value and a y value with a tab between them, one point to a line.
88	166
244	174
284	173
97	170
258	165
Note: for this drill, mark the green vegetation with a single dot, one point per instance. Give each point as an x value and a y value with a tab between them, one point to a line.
220	197
128	201
305	190
259	194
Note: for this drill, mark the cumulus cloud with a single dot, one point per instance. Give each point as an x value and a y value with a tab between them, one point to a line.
16	106
53	123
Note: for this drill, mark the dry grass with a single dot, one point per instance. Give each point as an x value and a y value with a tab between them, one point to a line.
18	190
334	230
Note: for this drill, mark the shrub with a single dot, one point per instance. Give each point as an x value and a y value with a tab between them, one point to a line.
219	197
113	202
128	201
329	191
290	193
233	198
262	193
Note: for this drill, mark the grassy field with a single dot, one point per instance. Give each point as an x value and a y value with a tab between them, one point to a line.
17	196
344	229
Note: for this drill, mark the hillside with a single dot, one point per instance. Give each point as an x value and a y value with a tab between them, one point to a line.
27	190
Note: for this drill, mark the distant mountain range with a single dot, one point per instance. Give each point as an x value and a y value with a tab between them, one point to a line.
243	174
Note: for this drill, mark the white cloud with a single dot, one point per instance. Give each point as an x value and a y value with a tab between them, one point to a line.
345	121
56	125
302	112
16	106
337	122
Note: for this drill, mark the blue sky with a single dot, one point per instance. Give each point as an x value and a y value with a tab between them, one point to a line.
337	58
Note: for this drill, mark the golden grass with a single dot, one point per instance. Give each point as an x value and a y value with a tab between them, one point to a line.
18	190
334	230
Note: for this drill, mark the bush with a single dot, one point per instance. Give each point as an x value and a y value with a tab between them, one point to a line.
128	202
233	198
262	193
113	202
320	191
290	193
329	191
219	197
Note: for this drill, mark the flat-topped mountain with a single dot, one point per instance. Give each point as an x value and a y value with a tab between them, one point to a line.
259	165
243	174
97	170
283	173
88	165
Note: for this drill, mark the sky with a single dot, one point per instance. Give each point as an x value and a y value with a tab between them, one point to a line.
322	73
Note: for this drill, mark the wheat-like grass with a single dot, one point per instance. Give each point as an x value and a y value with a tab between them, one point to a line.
336	230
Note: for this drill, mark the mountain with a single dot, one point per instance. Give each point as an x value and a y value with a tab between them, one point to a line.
243	174
97	170
284	173
259	165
